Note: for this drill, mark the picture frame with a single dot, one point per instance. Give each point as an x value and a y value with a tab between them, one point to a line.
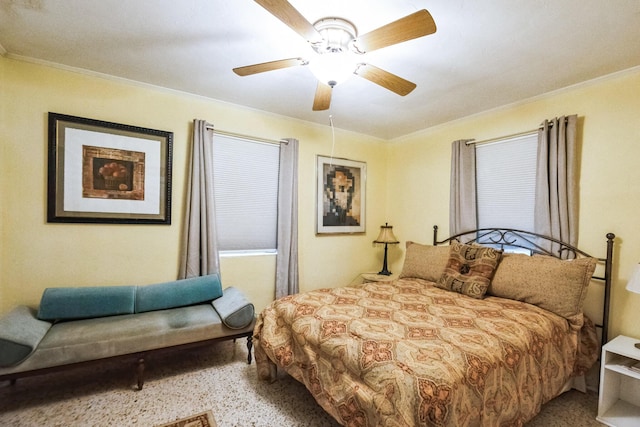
104	172
341	195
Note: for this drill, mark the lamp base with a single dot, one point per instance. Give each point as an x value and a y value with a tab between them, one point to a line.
384	271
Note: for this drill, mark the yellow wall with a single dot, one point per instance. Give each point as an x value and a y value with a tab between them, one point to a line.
608	111
36	254
407	184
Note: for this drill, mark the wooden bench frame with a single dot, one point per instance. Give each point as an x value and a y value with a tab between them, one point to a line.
139	358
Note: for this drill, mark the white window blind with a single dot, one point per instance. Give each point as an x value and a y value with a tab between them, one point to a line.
506	182
246	193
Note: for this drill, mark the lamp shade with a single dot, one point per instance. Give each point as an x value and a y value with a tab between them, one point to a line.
386	235
633	285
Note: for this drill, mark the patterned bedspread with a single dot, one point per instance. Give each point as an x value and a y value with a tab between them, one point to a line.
406	353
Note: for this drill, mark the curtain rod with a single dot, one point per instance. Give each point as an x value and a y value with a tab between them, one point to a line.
248	137
501	138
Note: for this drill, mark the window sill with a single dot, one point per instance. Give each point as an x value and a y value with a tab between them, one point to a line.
259	252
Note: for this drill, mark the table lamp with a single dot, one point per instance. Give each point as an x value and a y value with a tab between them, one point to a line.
386	236
633	285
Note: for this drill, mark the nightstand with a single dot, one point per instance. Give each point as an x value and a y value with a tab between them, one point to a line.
375	277
619	396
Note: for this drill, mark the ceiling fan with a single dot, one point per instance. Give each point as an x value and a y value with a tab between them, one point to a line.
337	46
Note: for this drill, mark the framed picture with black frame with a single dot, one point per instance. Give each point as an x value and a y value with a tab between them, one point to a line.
341	195
104	172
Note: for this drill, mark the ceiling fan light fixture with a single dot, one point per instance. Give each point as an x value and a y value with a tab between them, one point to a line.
337	35
333	68
334	61
336	43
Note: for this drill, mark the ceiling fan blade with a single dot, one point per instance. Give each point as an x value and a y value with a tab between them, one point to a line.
385	79
322	100
268	66
290	16
410	27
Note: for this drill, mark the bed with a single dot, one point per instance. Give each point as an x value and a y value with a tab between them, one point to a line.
471	333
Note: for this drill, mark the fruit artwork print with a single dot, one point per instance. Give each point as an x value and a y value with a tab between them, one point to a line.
110	173
107	173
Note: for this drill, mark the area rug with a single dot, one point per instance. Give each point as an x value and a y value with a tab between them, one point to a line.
204	419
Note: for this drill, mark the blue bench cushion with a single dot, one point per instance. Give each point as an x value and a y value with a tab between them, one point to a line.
234	309
20	334
81	303
178	293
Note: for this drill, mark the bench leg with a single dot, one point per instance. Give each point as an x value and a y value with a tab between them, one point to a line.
249	347
140	373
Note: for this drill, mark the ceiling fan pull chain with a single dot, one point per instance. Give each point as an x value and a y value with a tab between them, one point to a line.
333	139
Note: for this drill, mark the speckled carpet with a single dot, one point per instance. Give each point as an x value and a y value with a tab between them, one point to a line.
215	378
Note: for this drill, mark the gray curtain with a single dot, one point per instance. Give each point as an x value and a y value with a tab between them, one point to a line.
556	209
287	244
199	249
462	199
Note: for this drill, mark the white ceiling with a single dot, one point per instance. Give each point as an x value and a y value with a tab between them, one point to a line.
485	53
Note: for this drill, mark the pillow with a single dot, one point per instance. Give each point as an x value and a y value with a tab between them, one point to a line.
424	261
86	302
20	334
469	269
234	309
559	286
178	293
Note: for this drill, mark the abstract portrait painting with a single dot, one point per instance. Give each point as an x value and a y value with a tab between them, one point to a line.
340	195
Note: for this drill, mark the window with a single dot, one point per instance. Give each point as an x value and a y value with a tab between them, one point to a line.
246	194
506	182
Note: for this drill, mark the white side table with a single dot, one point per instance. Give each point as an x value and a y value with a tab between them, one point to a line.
375	277
619	396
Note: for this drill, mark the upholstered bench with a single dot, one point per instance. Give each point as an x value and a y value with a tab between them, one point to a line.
75	326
